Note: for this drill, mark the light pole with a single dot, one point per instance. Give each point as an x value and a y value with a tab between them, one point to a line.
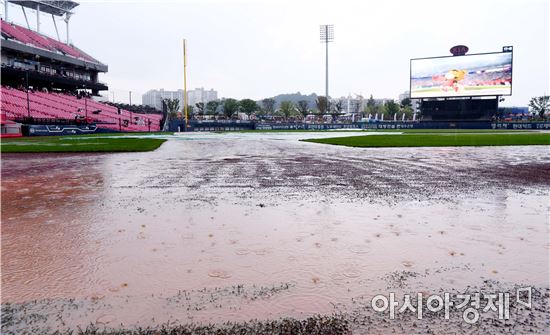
327	36
185	82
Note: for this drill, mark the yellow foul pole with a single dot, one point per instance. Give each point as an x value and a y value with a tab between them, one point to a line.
185	81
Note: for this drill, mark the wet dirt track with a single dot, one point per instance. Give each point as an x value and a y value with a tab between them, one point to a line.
304	228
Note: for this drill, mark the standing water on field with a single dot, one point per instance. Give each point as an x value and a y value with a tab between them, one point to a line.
234	227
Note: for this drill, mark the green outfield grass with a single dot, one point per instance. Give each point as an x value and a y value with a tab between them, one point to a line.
285	131
83	143
453	131
438	140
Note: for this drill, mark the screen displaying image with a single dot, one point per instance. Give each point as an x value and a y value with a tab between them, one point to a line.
458	76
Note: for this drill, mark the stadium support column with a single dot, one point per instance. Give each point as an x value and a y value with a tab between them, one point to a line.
26	19
6	10
28	98
185	82
56	31
67	17
38	18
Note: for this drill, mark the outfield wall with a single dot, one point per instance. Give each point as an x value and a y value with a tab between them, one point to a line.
179	126
57	130
459	125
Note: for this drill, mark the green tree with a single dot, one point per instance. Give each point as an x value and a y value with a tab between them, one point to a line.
303	107
173	106
408	110
268	105
212	107
287	108
372	107
321	103
540	105
248	106
406	102
382	110
337	109
230	107
371	102
200	108
190	111
391	107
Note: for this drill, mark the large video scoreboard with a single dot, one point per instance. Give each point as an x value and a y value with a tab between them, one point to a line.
488	74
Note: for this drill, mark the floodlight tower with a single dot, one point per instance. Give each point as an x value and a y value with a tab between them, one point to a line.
185	82
327	36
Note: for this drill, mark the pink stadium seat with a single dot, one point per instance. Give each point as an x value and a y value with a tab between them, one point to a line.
65	106
14	33
30	37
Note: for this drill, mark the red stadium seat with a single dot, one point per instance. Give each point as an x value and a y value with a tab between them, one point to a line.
65	106
29	37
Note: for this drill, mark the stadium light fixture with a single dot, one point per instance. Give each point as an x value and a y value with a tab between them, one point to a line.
327	36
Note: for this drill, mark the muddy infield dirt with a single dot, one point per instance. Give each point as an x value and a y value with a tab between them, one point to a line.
235	227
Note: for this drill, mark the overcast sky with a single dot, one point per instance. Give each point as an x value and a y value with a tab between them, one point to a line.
256	49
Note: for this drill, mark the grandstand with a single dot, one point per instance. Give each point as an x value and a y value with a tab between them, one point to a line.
52	107
49	82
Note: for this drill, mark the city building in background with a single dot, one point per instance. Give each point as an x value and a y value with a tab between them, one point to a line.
201	95
154	98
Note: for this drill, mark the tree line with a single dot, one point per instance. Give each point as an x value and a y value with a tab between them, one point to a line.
267	108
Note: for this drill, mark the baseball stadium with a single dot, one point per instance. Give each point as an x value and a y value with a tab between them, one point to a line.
427	215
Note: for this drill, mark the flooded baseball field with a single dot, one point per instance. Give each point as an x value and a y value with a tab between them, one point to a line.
214	228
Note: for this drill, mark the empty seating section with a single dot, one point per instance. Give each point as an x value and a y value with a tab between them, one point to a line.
10	30
64	106
30	37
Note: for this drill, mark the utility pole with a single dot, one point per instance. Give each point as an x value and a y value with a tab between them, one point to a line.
327	36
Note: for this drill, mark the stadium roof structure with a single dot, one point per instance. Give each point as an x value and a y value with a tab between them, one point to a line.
18	38
62	8
54	7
